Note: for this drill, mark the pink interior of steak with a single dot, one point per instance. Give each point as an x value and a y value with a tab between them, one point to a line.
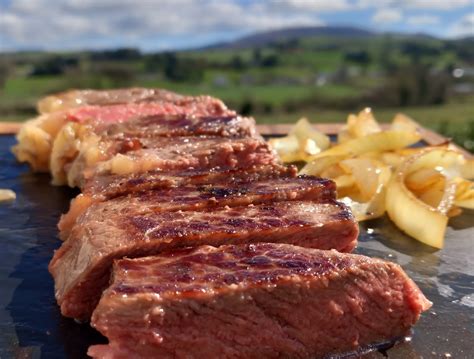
122	112
263	300
79	98
81	266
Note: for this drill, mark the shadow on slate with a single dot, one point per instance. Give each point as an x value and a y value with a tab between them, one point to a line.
39	326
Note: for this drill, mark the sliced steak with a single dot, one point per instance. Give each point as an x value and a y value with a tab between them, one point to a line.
111	186
192	197
179	125
125	156
36	137
104	187
253	301
85	128
81	266
103	115
78	98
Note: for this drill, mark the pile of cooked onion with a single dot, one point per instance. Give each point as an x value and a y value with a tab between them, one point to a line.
379	171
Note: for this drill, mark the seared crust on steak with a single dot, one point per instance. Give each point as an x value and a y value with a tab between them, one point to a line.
253	301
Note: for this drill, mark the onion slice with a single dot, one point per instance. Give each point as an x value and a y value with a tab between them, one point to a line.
371	178
464	196
302	143
375	142
423	222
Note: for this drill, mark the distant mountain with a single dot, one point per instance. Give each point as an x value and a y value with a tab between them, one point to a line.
267	37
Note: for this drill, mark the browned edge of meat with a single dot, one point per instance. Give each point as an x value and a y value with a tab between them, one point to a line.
81	266
253	301
104	188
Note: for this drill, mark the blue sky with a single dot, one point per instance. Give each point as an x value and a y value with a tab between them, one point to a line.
169	24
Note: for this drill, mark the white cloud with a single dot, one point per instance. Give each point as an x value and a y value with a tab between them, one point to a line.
312	5
464	27
82	23
73	24
435	4
415	4
418	20
387	16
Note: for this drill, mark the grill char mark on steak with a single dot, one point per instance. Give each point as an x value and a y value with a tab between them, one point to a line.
254	301
192	197
81	266
179	125
104	187
111	186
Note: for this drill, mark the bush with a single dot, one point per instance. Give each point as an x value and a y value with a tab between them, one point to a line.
182	70
124	54
360	57
247	107
55	65
413	85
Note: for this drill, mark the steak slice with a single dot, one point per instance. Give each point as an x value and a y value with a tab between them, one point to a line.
110	186
125	156
192	197
179	125
253	301
78	98
36	137
86	127
82	264
104	187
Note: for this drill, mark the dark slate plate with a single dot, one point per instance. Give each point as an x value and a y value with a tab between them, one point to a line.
31	325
